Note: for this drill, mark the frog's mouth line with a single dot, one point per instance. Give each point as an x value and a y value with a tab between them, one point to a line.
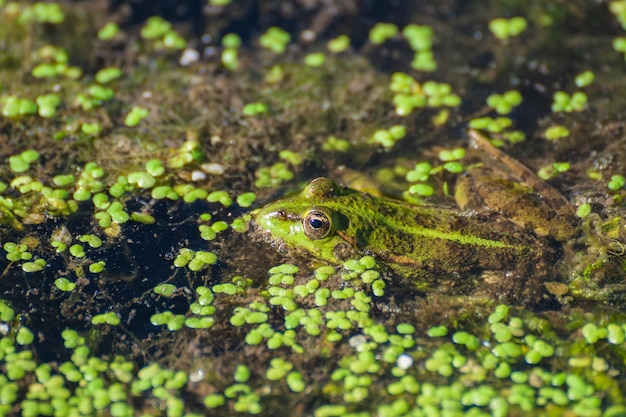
260	234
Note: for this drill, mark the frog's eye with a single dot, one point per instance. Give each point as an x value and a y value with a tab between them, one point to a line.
316	224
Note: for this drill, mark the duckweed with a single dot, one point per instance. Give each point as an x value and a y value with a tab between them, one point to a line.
173	321
411	95
289	156
77	250
199	322
556	132
201	260
93	240
447	155
141	179
108	31
99	94
110	318
437	331
592	333
47	70
503	104
254	109
135	116
46	13
331	410
106	75
21	163
47	105
220	196
34	266
295	382
155	27
164	191
584	79
405	328
378	287
504	29
228	289
315	59
246	199
230	60
381	32
552	170
191	194
388	138
420	37
16	107
491	125
64	180
616	182
583	210
273	176
615	334
619	44
339	44
563	102
165	290
333	143
24	336
214	400
64	284
275	39
143	218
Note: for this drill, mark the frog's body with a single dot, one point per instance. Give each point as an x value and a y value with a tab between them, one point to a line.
408	237
335	223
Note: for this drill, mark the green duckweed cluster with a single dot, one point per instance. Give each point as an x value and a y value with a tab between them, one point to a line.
556	132
410	94
503	28
104	162
422	172
419	37
504	103
279	172
501	366
83	385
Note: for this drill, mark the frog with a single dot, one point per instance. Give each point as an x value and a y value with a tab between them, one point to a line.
497	225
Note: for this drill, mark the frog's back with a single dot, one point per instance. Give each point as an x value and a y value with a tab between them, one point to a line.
436	239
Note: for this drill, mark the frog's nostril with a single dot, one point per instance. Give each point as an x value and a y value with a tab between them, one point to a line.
280	215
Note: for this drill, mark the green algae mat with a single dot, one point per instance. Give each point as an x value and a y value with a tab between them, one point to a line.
159	257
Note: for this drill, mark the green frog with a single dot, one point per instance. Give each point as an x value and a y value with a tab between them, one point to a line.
497	225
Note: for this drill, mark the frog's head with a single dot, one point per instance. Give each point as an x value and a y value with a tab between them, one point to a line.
307	221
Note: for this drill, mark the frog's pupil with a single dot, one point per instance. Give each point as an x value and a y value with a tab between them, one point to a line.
316	223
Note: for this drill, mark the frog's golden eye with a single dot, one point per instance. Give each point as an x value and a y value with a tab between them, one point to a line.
316	224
